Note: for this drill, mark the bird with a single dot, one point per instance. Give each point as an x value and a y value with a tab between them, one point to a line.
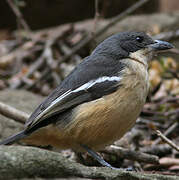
99	101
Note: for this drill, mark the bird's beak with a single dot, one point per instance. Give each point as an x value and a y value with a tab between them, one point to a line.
160	45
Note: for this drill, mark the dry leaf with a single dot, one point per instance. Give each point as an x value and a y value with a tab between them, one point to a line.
172	86
170	63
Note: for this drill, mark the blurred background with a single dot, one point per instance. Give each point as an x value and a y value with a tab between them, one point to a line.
42	41
46	13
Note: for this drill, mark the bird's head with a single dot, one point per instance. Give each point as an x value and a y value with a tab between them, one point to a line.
135	45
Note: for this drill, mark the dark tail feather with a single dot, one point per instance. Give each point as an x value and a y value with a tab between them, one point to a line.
13	138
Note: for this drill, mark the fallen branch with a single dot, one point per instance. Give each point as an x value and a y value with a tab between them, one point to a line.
159	150
30	162
132	155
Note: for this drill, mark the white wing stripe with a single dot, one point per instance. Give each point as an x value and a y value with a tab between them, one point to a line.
96	81
61	97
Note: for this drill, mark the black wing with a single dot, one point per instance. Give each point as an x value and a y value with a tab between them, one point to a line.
79	87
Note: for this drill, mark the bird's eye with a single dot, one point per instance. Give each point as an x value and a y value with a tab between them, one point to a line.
139	39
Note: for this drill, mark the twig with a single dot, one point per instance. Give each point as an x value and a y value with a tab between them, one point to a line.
156	113
50	61
66	50
96	17
19	15
36	65
168	141
13	113
148	121
169	113
167	132
175	50
18	53
167	35
166	100
42	76
152	112
132	155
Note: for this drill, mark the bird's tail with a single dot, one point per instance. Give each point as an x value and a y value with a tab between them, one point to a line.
14	138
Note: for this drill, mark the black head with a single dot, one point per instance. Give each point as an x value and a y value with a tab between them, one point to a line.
123	44
134	41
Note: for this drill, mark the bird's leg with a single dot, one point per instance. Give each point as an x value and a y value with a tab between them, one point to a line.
97	157
101	160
